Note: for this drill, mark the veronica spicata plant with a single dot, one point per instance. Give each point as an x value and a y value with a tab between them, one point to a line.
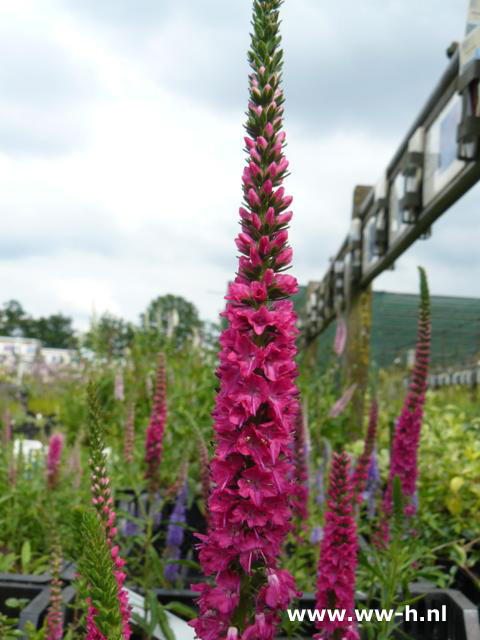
338	555
407	431
155	429
54	458
96	566
360	475
102	500
256	405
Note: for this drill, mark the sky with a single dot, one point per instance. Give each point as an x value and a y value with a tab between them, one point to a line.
121	144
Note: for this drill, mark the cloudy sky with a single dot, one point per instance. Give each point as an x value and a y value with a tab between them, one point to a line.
121	125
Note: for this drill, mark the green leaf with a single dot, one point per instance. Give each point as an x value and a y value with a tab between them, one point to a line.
456	483
181	609
26	555
16	603
163	624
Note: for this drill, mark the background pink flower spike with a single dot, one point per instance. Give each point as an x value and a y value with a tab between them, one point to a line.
341	404
338	555
340	336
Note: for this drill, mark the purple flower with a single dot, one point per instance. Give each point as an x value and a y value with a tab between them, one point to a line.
175	534
320	493
316	535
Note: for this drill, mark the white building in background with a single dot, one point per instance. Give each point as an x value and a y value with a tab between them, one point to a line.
57	357
14	350
21	355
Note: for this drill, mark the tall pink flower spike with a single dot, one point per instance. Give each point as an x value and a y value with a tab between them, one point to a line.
338	555
359	477
407	431
54	457
340	336
102	500
256	406
156	427
342	403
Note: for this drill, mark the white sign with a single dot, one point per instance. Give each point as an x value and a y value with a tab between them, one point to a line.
396	224
441	163
369	243
180	629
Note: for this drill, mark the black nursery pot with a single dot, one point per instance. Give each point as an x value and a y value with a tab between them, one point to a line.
36	611
467	582
21	591
40	579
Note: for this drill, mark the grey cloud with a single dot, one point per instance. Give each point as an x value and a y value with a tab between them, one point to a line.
145	15
43	92
37	232
36	68
374	71
371	75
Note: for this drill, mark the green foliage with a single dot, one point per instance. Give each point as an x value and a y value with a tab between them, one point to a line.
8	628
55	330
109	336
448	486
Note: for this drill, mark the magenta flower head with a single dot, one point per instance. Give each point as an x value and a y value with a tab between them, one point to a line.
54	457
256	406
156	427
359	479
338	555
407	431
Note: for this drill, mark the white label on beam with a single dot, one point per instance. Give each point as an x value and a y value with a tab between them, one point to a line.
470	48
473	16
441	163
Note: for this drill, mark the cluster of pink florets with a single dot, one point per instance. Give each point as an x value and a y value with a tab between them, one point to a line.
409	423
156	427
338	554
54	458
256	406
